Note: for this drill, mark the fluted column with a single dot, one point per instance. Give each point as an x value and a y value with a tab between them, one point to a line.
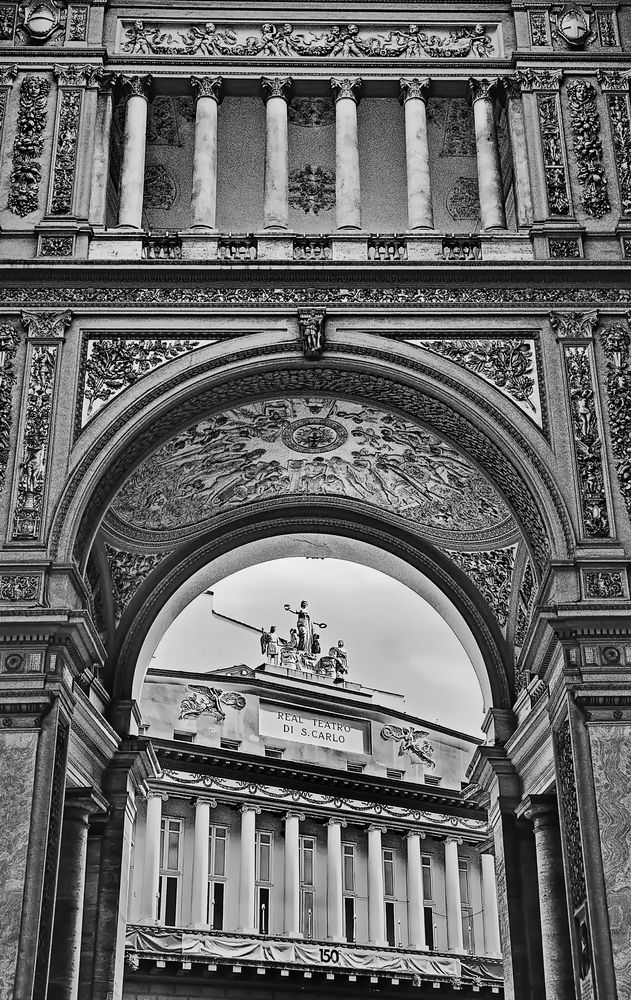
276	93
416	908
482	94
151	874
413	96
199	899
334	899
63	979
132	178
292	873
247	870
208	94
346	92
557	952
452	895
376	905
490	918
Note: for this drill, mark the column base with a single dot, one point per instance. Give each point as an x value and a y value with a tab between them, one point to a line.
200	229
199	926
422	231
349	229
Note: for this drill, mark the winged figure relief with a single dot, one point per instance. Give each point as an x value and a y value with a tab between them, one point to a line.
412	741
202	700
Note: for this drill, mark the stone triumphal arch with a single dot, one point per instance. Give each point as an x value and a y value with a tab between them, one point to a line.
366	285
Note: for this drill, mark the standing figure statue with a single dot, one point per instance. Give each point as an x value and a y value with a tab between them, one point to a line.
289	650
269	645
304	627
338	653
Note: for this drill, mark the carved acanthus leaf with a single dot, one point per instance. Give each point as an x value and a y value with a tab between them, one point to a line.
575	325
492	574
128	570
46	325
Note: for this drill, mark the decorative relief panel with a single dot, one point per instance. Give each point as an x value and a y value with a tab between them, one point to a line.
414	41
128	570
160	190
492	574
566	784
311	112
41	21
546	83
538	20
615	340
78	27
65	156
607	33
14	587
509	365
314	447
8	14
36	437
411	741
588	149
203	700
587	442
8	345
113	365
604	584
312	189
28	145
616	87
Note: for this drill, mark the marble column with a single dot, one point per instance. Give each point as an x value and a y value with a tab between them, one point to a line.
276	94
416	909
490	917
132	177
413	96
334	884
292	873
101	154
519	149
557	953
247	870
346	92
63	977
376	905
482	95
199	897
452	895
151	873
208	92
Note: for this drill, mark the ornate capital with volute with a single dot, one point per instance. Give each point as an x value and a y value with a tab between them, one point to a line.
276	86
201	800
613	80
376	828
46	325
78	76
248	807
416	833
8	75
482	88
208	86
295	815
454	840
346	87
136	86
335	821
513	85
574	325
414	88
543	79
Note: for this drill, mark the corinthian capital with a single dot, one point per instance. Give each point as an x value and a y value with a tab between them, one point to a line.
208	86
346	87
414	87
8	75
72	75
276	86
481	88
136	86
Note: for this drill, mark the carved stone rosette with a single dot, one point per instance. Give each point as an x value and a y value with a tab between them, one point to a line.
588	149
29	145
615	340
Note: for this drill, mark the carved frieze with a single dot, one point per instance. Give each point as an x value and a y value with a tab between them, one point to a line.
492	574
65	155
615	340
28	145
128	570
350	41
16	587
32	469
604	584
566	784
588	149
553	154
587	441
8	346
114	364
312	189
56	246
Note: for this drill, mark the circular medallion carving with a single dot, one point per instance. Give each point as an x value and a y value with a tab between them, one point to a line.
610	654
314	434
13	663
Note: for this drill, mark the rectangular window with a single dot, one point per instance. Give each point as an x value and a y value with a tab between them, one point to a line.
429	927
463	871
183	736
264	843
217	850
467	929
229	744
349	918
388	872
216	901
426	863
263	909
307	861
170	871
307	913
390	924
348	869
394	775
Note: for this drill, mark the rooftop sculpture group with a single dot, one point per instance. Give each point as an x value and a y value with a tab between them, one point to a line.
302	651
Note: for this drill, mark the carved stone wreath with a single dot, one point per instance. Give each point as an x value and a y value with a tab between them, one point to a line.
312	189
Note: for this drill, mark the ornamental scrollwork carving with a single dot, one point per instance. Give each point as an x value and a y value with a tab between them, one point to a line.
492	574
574	325
128	570
587	442
8	345
604	584
553	155
28	145
411	741
618	104
615	340
204	700
18	588
36	438
113	365
348	41
588	149
566	781
312	189
65	161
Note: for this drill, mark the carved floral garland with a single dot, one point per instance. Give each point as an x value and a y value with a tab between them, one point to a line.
621	135
553	160
128	571
32	475
588	149
28	145
508	364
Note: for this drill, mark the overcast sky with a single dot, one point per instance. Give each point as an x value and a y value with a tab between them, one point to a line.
395	640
